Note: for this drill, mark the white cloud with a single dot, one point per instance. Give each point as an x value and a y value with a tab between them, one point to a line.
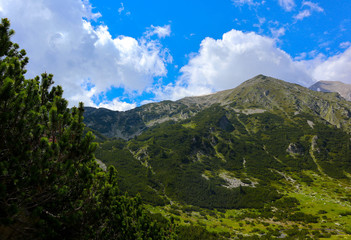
117	105
161	32
287	5
304	55
277	32
122	9
243	2
227	62
312	7
59	41
261	21
303	14
334	68
301	56
345	44
88	11
147	102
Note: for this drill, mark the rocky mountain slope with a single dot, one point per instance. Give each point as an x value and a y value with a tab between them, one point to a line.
265	145
333	86
258	94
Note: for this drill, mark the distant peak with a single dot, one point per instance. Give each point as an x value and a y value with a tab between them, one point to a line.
343	89
329	83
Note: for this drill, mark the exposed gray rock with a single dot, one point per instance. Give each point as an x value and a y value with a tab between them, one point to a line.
295	149
101	164
333	86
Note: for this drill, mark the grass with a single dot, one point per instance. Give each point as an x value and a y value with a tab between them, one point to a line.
325	198
191	125
337	237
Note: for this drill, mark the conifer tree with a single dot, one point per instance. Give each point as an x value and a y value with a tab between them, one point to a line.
50	184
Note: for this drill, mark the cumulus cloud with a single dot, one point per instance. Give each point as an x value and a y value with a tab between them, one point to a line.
117	105
59	38
287	5
88	11
334	68
161	32
227	62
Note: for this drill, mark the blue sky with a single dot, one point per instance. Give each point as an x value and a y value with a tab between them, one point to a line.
122	54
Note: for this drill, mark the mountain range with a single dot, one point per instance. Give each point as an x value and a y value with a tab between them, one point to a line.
263	145
256	91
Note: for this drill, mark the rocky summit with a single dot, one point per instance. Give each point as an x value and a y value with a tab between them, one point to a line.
333	86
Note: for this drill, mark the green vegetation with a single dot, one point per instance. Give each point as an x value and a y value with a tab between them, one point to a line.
249	170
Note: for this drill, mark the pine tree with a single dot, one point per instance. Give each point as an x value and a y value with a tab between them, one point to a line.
50	184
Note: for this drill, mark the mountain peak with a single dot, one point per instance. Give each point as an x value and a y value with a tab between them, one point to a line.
266	81
225	97
333	86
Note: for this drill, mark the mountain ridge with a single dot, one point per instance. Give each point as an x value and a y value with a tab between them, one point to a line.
260	92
